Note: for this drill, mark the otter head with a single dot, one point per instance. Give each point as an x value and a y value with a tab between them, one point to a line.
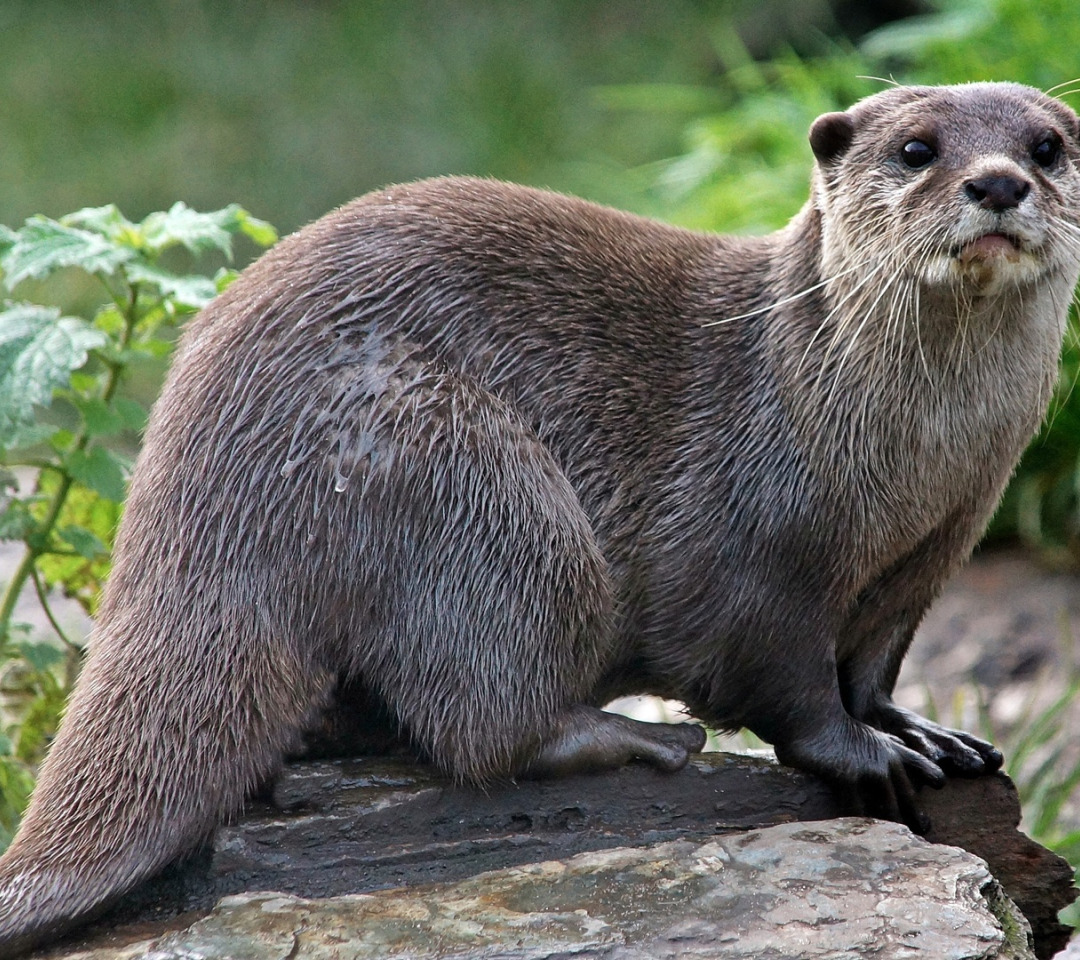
973	187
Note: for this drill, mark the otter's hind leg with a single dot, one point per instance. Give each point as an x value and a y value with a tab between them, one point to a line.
586	739
467	589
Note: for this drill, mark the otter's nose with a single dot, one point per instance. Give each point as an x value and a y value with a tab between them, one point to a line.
997	193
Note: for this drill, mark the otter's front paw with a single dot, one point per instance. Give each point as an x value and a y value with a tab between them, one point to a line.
873	773
954	751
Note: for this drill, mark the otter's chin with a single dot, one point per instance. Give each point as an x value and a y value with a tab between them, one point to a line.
990	248
989	263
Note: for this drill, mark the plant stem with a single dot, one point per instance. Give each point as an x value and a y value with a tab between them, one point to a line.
34	548
43	599
12	591
73	653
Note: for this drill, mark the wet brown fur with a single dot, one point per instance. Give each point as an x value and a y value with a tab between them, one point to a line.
494	453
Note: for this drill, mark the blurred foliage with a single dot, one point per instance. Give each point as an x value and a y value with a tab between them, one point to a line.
747	164
293	108
1041	754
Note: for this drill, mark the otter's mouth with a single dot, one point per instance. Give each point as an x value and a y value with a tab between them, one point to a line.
988	248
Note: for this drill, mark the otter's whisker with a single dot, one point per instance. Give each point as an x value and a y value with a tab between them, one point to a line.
868	315
783	303
834	311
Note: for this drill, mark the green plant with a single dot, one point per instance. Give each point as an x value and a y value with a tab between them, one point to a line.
63	417
746	166
1041	757
1042	504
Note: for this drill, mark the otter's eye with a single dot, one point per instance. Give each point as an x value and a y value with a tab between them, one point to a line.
1046	152
917	154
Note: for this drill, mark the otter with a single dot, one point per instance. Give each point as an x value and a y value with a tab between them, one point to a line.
499	456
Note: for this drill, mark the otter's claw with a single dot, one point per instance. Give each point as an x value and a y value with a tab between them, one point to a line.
954	751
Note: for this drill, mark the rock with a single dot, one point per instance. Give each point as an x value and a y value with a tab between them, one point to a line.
844	888
332	828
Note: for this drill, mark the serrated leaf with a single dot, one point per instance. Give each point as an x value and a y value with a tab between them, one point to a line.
224	278
38	351
103	419
43	246
27	435
99	470
200	232
153	347
75	575
181	225
132	414
107	220
110	320
256	230
62	440
190	291
16	521
83	542
83	382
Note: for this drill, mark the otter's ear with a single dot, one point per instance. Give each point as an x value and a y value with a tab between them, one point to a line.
1068	117
831	135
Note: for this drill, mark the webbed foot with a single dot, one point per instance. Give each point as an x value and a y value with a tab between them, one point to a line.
587	739
874	773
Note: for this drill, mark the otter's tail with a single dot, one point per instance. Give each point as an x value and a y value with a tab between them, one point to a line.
162	738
